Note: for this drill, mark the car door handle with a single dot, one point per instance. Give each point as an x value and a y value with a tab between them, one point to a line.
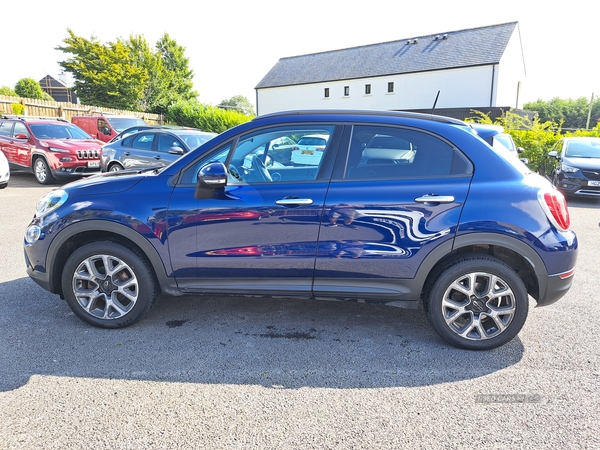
294	201
157	157
435	199
127	153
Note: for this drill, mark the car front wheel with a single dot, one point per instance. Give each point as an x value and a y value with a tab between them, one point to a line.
108	285
477	303
42	171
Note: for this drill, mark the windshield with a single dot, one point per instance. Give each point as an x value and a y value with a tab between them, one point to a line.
122	123
583	149
57	131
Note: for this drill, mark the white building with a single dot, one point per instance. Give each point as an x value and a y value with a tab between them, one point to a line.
476	68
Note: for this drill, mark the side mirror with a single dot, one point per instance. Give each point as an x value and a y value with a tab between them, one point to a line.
553	154
176	151
21	136
524	160
210	177
520	150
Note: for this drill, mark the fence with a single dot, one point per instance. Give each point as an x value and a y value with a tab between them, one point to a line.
46	108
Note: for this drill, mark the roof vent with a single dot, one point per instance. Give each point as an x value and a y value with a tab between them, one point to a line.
412	41
437	38
445	36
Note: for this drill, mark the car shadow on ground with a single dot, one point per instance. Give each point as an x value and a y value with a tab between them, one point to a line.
279	343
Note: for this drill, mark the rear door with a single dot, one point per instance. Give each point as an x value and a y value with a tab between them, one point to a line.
385	212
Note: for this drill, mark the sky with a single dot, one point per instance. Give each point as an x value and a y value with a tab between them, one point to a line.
232	44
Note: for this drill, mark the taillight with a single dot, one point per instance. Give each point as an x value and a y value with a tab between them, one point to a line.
555	206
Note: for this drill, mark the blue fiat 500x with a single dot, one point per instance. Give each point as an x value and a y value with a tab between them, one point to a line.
399	208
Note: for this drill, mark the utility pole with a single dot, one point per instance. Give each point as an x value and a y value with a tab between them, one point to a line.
587	125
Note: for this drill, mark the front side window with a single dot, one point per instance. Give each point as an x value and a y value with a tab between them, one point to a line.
20	128
281	154
395	153
166	142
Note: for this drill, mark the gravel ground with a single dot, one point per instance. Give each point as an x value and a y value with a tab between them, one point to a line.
219	372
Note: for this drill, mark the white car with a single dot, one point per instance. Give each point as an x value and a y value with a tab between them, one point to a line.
4	171
309	150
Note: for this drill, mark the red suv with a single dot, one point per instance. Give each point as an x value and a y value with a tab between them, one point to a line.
50	148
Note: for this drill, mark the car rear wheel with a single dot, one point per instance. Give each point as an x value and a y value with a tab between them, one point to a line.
108	285
477	303
41	170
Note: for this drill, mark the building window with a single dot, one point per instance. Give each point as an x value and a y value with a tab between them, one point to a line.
326	93
391	86
346	91
367	89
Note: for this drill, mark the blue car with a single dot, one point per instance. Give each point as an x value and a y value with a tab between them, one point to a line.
458	226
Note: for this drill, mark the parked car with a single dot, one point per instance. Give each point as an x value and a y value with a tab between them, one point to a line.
4	171
309	150
151	148
498	139
131	130
577	171
433	229
50	148
106	127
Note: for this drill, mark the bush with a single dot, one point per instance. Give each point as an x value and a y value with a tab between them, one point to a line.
534	136
18	109
5	90
205	117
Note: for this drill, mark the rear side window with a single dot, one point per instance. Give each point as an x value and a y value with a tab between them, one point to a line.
395	153
143	141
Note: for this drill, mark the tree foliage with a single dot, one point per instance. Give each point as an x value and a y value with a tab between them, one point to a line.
128	74
569	114
534	136
29	88
238	103
5	90
191	113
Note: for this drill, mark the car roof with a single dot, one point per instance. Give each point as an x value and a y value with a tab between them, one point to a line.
352	112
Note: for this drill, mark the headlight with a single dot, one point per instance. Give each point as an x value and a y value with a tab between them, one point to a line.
51	202
59	150
568	169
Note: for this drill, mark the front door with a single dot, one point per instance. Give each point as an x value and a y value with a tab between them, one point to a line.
259	234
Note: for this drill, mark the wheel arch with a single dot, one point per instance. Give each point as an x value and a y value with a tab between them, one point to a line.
517	254
88	231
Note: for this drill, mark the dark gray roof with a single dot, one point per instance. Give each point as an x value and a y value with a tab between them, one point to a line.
463	48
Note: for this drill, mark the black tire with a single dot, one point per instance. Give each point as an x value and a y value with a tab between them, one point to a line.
103	299
115	167
476	302
42	172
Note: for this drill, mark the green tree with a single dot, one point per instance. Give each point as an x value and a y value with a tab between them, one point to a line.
29	88
5	90
105	75
571	113
238	103
177	77
129	74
